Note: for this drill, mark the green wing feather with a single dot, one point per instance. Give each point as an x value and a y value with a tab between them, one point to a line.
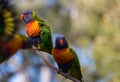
75	70
45	36
46	39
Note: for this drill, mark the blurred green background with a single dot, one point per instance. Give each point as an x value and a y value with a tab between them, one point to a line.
92	28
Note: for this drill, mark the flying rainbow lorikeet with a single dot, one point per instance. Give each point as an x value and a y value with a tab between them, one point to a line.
10	42
37	31
9	48
66	58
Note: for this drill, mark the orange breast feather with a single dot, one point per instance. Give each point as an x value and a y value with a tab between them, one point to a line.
32	28
12	46
62	56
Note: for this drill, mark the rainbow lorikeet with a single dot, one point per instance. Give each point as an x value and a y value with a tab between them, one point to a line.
66	58
10	42
37	31
9	48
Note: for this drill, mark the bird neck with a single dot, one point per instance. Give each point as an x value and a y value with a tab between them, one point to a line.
64	49
31	22
61	47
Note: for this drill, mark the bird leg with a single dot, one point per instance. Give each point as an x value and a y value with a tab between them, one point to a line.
35	48
66	74
35	41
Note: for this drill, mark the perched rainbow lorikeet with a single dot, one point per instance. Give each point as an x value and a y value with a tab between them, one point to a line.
37	31
66	58
9	48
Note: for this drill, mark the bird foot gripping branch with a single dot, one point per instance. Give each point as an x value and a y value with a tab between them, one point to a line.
60	70
66	74
35	48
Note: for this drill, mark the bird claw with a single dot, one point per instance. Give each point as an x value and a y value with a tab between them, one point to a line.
66	75
35	48
59	71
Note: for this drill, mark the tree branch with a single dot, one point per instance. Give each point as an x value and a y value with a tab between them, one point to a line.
43	55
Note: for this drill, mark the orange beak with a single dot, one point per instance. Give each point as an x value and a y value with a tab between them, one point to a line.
22	16
61	42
